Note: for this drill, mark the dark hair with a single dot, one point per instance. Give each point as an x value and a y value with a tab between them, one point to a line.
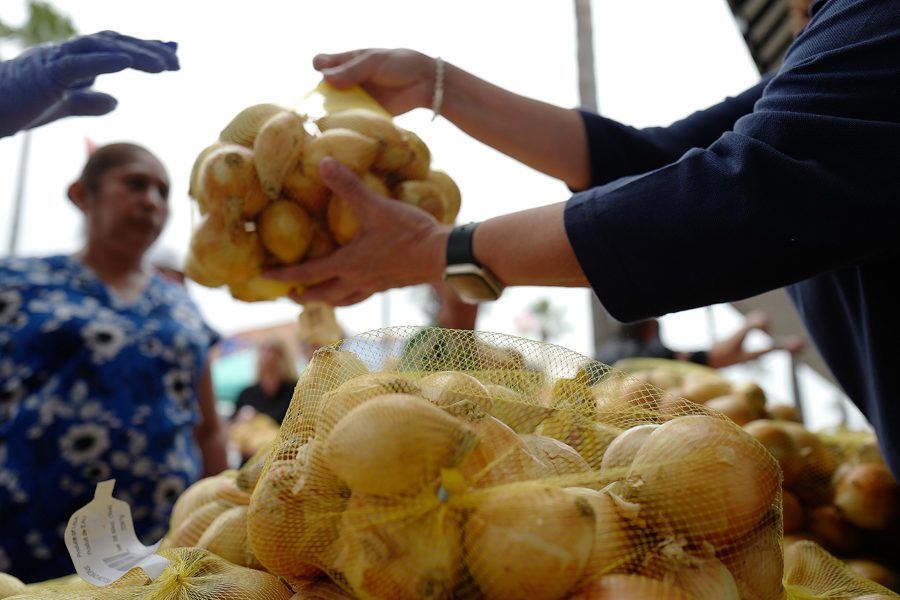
109	157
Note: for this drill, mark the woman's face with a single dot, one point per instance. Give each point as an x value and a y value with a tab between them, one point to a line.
130	207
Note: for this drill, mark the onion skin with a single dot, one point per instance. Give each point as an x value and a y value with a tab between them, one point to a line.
868	496
529	541
630	587
707	477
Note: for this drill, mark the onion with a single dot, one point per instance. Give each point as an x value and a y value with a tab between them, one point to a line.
785	412
225	251
446	388
356	391
396	444
557	459
700	388
705	578
757	562
612	546
529	541
294	514
813	484
631	587
620	452
388	550
227	173
500	456
735	407
868	496
518	411
780	444
708	477
792	514
286	230
836	532
875	571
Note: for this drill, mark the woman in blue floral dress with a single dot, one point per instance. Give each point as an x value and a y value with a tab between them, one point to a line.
103	373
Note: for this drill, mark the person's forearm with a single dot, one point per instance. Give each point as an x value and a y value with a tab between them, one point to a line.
545	137
212	441
529	247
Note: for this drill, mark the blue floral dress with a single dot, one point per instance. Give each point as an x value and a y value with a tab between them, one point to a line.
91	388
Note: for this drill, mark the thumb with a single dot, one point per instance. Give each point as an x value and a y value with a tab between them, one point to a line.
87	102
345	183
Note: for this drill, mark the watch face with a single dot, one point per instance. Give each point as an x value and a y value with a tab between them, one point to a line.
471	284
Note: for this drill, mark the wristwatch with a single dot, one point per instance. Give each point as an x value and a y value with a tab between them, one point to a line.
472	282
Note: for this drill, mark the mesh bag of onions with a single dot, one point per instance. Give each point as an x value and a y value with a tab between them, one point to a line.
431	463
261	200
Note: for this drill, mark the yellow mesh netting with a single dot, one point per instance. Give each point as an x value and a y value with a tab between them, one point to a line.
194	574
431	463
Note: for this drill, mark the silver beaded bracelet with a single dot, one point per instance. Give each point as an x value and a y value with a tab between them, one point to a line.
438	99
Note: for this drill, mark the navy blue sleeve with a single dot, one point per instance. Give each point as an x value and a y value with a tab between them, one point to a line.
617	150
807	182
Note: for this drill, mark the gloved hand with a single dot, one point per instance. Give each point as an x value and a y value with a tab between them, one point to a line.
52	81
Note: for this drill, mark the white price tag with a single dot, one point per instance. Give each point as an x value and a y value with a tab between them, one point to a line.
102	543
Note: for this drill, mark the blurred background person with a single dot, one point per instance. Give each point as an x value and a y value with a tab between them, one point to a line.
642	339
276	376
105	372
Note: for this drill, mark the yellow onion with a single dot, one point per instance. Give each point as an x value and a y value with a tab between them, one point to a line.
620	452
706	476
704	578
832	528
793	514
499	455
756	562
780	444
354	150
294	515
446	388
556	458
286	230
735	407
868	496
612	547
529	541
451	193
518	411
394	550
395	444
327	369
227	173
357	390
225	250
631	587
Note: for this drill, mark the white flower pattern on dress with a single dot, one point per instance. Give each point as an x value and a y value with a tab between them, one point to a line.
83	443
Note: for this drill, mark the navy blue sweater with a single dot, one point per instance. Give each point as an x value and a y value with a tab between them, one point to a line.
795	183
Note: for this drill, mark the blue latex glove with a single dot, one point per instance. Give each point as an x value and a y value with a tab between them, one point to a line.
52	81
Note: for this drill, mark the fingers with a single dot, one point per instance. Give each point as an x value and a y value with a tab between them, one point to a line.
308	271
327	61
88	103
354	68
334	292
76	69
344	183
151	56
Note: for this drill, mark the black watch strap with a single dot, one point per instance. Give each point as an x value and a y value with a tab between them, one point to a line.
459	245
